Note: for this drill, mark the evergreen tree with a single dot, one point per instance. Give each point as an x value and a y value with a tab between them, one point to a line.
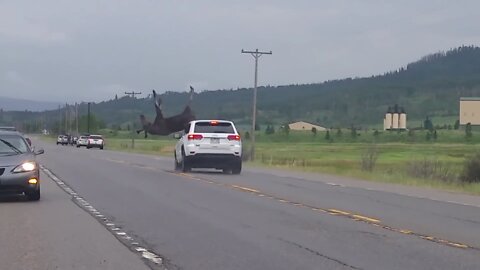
339	133
427	124
327	135
353	132
456	126
314	131
468	131
286	129
269	130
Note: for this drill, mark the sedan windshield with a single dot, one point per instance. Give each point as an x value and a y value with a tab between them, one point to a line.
13	144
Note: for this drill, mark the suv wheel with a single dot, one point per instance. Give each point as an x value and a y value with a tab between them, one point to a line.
237	168
177	165
185	164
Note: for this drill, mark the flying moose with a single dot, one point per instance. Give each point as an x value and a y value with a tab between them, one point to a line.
169	125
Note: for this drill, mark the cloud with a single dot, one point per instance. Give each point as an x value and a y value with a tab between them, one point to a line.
93	49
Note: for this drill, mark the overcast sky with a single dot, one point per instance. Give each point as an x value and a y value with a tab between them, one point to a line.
71	50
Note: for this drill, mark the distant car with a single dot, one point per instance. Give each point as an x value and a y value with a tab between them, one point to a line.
209	144
82	141
62	139
95	141
19	171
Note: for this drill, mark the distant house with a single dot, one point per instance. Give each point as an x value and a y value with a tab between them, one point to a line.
301	125
470	111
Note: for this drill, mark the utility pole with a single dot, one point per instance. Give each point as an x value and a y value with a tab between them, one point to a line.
76	117
66	118
256	54
60	120
88	119
133	94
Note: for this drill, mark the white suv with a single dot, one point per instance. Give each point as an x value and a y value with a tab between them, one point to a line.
82	141
209	144
62	139
95	141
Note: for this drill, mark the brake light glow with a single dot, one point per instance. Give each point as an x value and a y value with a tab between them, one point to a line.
194	137
213	123
233	137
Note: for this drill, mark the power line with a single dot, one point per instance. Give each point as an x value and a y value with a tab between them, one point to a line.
256	54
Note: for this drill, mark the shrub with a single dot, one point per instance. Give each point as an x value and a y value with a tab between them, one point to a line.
369	158
430	169
471	170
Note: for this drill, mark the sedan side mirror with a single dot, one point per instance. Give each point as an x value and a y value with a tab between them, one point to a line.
39	152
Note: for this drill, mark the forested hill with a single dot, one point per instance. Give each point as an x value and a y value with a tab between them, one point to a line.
431	86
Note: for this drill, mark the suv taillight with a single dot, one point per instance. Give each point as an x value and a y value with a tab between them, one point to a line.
194	137
233	137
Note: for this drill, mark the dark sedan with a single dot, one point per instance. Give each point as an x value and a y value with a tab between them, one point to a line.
19	171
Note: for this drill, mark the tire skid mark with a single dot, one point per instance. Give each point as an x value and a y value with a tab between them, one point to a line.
335	212
320	254
154	261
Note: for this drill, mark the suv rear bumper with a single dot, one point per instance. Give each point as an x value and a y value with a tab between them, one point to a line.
218	161
94	145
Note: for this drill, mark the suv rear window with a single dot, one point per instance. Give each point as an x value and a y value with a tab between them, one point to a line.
209	127
95	137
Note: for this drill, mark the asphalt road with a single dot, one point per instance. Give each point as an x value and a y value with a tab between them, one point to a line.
54	233
266	219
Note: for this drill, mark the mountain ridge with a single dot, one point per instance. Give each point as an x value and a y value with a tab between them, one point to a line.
18	104
429	87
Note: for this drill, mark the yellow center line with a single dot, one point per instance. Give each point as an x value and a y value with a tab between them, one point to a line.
335	211
366	218
341	213
246	189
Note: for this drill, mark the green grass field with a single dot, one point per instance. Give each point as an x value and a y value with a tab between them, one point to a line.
403	158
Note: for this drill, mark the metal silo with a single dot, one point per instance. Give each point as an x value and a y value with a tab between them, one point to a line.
402	122
395	117
388	119
395	121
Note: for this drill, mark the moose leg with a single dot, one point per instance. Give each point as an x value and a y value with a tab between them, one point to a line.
190	98
145	125
158	106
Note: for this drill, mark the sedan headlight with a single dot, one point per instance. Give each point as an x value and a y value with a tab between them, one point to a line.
25	167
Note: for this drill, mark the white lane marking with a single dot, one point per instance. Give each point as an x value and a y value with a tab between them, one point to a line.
334	184
152	257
